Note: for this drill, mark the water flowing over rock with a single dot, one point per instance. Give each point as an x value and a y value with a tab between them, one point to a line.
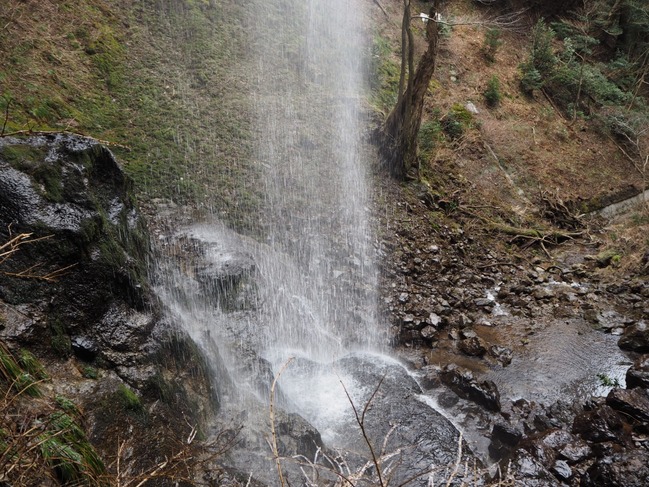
76	294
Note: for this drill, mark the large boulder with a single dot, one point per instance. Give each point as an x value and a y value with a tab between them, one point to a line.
86	253
638	374
636	338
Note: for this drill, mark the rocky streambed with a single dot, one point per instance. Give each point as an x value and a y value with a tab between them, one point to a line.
538	357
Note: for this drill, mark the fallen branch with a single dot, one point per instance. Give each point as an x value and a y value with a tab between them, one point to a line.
49	277
360	420
272	423
547	236
382	9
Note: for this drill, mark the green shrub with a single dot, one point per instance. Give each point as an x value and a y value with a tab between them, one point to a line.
491	44
89	372
541	61
492	93
456	121
65	447
32	365
429	134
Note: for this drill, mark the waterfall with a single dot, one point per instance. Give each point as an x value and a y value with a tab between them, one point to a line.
300	296
318	282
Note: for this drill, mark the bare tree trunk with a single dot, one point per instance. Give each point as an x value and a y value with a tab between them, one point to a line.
400	130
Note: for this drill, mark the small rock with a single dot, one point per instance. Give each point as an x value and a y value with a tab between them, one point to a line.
484	303
462	382
576	451
434	319
504	438
429	333
404	297
468	333
502	354
473	347
471	108
562	469
542	293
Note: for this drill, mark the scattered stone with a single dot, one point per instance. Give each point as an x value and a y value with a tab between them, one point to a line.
502	354
543	293
528	471
562	470
575	451
462	382
504	438
484	303
471	108
604	259
434	319
635	338
429	333
625	469
468	333
473	347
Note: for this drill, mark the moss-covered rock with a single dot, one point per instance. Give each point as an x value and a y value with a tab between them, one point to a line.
88	247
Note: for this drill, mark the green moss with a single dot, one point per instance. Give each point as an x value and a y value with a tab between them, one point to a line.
129	399
429	136
457	121
385	75
89	372
49	176
22	157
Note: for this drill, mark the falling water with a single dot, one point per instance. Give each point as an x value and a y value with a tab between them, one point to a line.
318	287
308	289
318	282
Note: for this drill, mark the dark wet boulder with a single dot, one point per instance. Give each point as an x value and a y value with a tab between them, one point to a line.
638	374
624	469
635	338
633	403
297	436
464	384
70	193
599	425
504	438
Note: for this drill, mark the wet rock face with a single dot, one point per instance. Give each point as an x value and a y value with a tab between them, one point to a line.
70	192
